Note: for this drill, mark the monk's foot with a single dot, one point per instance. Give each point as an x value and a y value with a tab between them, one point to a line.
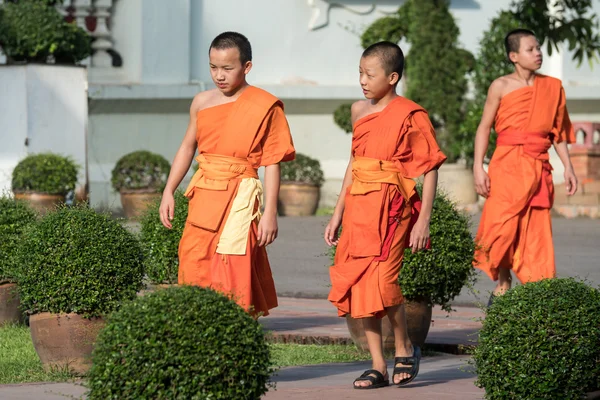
373	378
406	365
501	289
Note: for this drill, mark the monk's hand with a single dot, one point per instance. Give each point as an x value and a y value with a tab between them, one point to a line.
267	229
332	229
570	182
167	209
482	182
419	235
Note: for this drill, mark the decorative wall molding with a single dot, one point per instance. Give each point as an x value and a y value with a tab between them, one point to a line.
321	9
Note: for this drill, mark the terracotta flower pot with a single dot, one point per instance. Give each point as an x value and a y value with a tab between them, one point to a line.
135	203
41	202
65	340
418	318
298	199
9	304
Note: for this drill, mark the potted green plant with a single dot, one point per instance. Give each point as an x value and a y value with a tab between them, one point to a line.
15	216
182	342
139	177
432	277
74	267
161	245
301	181
546	336
43	180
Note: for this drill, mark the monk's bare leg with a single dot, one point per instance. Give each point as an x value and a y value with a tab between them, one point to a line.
504	281
402	342
374	339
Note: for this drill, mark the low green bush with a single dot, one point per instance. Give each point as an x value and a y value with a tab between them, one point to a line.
15	217
45	173
160	244
77	260
541	341
182	342
140	170
342	116
303	170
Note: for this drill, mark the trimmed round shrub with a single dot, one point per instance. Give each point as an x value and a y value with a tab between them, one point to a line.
439	274
541	340
140	170
34	30
182	342
78	261
302	170
160	244
342	116
45	173
15	216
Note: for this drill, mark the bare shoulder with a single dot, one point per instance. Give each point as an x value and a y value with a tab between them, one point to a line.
499	85
202	100
359	109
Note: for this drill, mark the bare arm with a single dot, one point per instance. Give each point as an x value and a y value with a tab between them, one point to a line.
482	137
179	168
267	227
570	178
419	234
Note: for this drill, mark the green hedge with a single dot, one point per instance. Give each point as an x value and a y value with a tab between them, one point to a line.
160	244
541	341
15	217
34	30
180	343
140	170
76	260
45	173
303	169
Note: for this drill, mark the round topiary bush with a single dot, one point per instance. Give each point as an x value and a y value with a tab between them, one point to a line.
45	173
160	244
541	341
439	274
34	30
342	116
182	342
140	170
15	217
78	261
302	170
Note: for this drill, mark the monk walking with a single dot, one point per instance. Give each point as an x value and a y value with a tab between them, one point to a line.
236	129
380	210
530	115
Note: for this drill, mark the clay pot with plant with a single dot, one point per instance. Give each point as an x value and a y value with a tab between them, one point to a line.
301	181
139	177
431	277
72	269
44	180
15	217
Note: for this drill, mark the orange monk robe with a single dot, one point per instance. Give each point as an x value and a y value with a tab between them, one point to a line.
515	230
234	140
390	147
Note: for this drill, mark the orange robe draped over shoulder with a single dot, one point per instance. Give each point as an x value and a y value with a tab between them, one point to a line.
515	229
389	147
234	140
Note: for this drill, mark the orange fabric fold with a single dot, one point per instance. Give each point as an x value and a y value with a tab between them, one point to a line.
389	148
234	140
515	229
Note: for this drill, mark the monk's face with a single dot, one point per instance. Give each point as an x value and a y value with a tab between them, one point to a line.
374	80
529	55
226	69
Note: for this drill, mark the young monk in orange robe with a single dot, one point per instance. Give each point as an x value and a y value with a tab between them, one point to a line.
381	212
530	115
236	128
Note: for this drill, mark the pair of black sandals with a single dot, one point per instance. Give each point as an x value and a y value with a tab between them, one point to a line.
410	365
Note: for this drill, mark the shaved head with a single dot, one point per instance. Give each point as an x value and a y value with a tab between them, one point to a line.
512	41
389	54
233	40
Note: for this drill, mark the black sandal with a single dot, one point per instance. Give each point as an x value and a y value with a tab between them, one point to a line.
491	300
413	370
375	377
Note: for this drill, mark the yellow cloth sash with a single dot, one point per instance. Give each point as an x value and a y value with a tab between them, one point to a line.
369	173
